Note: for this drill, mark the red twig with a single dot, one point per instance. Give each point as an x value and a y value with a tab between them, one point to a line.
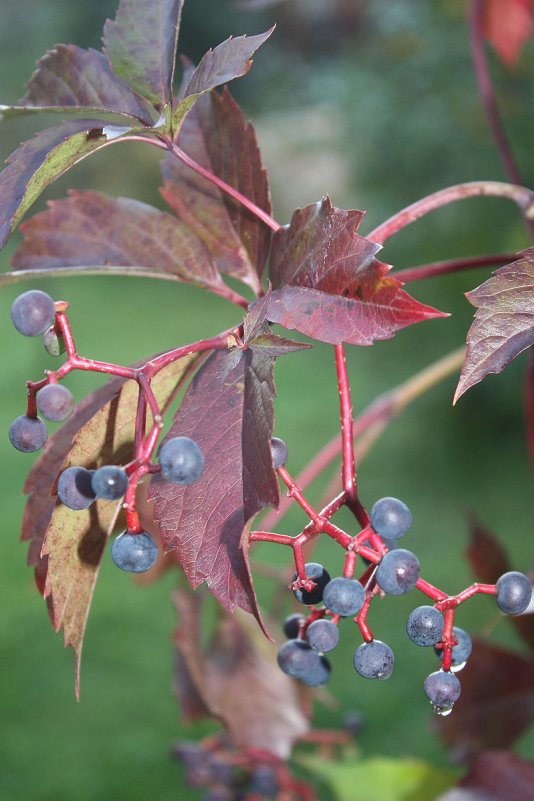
452	266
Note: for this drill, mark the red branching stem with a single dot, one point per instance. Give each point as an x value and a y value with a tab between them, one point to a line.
295	492
487	93
270	536
345	403
362	537
367	576
146	390
522	196
370	554
350	564
447	639
376	542
430	591
224	187
133	523
63	324
361	618
452	266
220	342
451	602
140	423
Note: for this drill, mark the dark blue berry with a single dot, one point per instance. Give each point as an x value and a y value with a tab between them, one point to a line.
134	553
74	488
318	574
181	460
55	402
318	675
374	660
110	482
461	651
391	518
264	782
28	434
33	312
344	596
425	625
442	689
322	635
398	572
514	592
296	658
292	626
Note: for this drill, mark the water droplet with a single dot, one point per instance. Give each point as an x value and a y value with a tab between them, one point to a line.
458	667
114	131
442	711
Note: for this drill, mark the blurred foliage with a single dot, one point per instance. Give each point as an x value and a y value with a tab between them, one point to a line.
374	103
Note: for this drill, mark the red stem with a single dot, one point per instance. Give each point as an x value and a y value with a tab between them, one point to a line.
519	194
229	190
361	618
447	639
347	438
452	266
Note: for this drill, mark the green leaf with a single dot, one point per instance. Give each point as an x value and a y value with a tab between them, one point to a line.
381	778
141	46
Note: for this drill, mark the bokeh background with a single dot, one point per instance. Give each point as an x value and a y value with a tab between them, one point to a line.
375	104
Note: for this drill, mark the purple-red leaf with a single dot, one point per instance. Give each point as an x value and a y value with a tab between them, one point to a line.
508	25
504	322
217	137
231	59
235	679
529	407
67	546
38	162
140	44
228	411
90	229
256	316
495	776
329	285
70	78
496	705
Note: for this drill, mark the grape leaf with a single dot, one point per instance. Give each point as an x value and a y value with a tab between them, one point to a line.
216	136
100	432
507	24
140	44
504	322
38	162
90	228
236	679
328	284
495	776
231	59
69	78
496	705
228	411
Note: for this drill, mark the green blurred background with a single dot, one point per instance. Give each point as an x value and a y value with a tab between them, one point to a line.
375	104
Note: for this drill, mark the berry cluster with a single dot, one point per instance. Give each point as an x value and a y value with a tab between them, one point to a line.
180	460
393	571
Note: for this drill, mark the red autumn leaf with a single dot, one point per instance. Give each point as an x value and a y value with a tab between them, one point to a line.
236	679
496	705
495	776
504	322
256	317
228	411
507	24
217	137
140	44
65	545
69	78
90	229
329	285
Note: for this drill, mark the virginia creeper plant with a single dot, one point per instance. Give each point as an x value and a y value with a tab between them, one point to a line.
220	464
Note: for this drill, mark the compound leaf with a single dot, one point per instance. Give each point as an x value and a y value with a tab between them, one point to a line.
235	678
504	322
329	285
71	79
38	162
217	137
228	411
100	432
140	44
90	228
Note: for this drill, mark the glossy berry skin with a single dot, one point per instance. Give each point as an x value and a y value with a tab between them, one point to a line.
320	576
134	553
278	452
55	402
28	434
33	312
109	483
425	625
296	658
514	592
74	488
322	635
391	518
181	460
442	689
344	596
461	651
398	572
292	626
374	660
